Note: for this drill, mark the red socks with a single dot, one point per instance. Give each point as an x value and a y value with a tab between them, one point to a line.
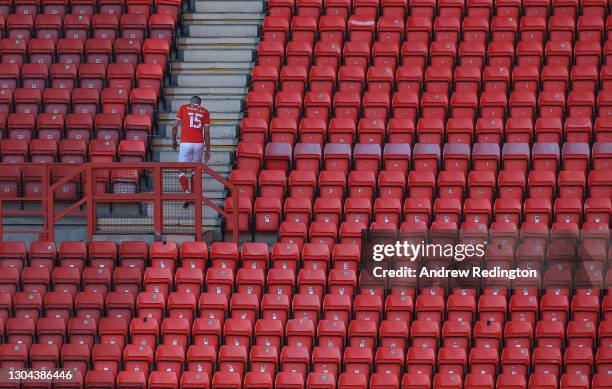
184	183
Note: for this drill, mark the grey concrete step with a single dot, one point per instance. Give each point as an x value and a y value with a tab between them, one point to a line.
222	28
186	92
208	79
228	103
243	17
229	6
197	42
219	54
213	67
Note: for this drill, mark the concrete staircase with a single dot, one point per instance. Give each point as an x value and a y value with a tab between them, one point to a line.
215	57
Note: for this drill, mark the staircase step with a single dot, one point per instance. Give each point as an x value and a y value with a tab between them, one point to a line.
213	67
186	92
208	79
233	54
223	28
226	103
191	43
244	17
229	6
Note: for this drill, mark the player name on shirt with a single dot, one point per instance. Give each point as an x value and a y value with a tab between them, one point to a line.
193	118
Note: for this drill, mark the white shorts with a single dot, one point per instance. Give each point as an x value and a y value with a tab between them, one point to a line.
191	152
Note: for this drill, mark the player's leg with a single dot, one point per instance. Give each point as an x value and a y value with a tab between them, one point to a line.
198	154
185	155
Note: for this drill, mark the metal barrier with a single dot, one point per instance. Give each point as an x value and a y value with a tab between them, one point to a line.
52	196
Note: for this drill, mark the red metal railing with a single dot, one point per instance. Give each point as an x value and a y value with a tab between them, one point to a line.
85	204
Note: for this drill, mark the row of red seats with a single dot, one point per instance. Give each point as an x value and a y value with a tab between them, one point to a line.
334	28
380	78
106	253
64	298
193	255
89	75
392	183
349	232
544	156
105	26
420	54
268	213
28	182
70	54
455	130
448	29
285	380
430	8
71	51
431	104
164	254
29	103
295	366
66	151
90	7
78	126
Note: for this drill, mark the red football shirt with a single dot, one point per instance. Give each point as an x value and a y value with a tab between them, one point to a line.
193	118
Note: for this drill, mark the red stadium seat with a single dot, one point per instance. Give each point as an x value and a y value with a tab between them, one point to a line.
128	51
56	101
14	356
98	50
75	356
13	50
14	150
63	76
28	101
43	150
51	331
70	51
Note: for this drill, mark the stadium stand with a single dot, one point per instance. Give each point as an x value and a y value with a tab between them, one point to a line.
463	121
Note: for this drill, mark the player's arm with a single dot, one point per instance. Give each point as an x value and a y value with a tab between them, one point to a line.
175	126
206	133
206	129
